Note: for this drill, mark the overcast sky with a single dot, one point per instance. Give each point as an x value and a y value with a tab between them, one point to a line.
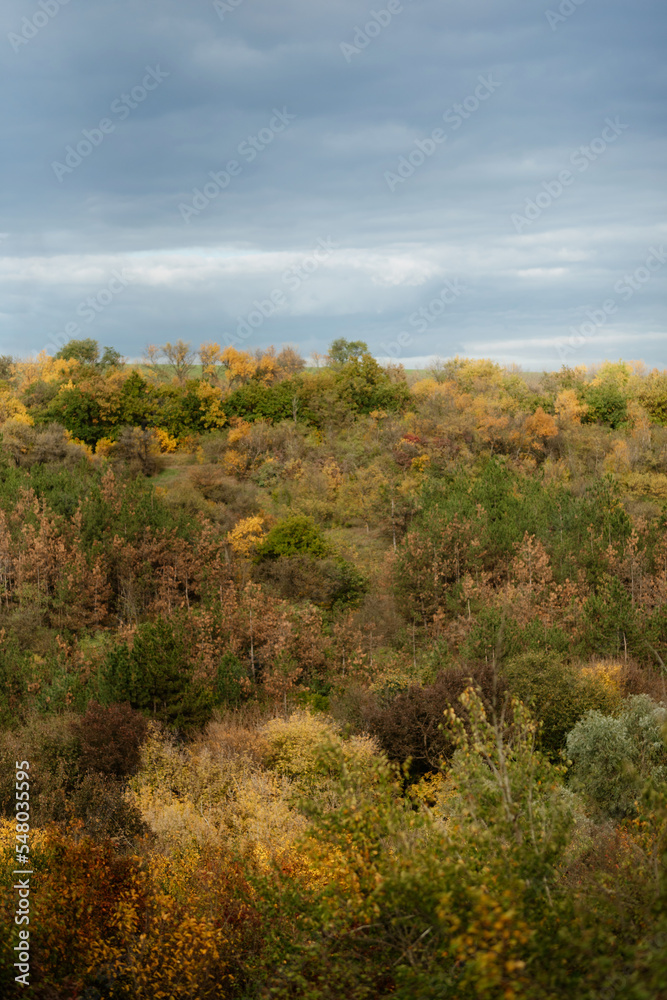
435	177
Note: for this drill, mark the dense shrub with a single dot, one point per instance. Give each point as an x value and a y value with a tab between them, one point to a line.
78	408
255	401
295	536
30	446
328	583
110	738
99	803
412	723
607	403
14	673
613	757
70	779
653	396
53	751
79	884
138	450
366	386
242	498
294	747
558	693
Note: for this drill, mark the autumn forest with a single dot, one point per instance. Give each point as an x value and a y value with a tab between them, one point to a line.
334	680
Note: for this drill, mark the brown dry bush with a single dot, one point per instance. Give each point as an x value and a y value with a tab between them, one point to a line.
139	452
64	785
29	446
302	577
110	738
284	442
25	625
237	737
411	724
52	750
289	361
380	620
99	803
637	679
210	481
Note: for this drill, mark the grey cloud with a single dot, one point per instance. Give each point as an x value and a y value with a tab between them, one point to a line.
325	173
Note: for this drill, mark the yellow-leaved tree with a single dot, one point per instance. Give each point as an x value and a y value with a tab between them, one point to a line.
569	410
239	366
210	404
246	535
210	358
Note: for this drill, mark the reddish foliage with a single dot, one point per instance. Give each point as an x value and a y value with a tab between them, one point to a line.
412	723
110	739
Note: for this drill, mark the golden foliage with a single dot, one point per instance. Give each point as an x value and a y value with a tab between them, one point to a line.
210	358
239	431
333	474
419	464
210	399
240	366
569	410
234	463
618	460
607	678
104	447
166	443
294	745
652	484
541	425
246	535
12	409
43	368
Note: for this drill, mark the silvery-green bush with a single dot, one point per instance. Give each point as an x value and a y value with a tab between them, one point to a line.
614	757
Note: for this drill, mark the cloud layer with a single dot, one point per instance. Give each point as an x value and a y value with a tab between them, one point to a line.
180	164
